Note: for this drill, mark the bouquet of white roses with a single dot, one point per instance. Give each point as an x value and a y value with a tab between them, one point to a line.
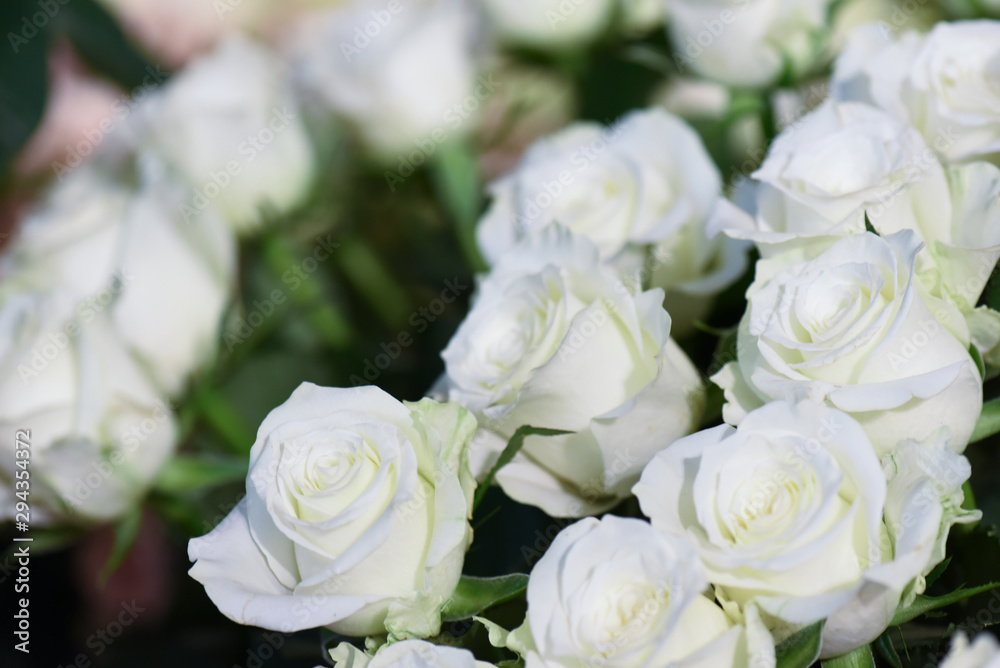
714	319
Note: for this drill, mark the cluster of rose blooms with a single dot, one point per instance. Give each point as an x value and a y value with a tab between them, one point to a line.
854	386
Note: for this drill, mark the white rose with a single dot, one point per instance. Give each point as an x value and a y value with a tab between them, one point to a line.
408	654
984	652
635	183
230	125
165	282
555	340
791	512
647	181
615	592
99	432
838	163
549	24
747	42
355	518
854	329
694	98
943	83
403	73
848	160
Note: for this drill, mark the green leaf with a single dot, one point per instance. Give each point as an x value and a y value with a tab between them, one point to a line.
323	314
862	657
511	663
187	473
968	503
924	604
102	43
989	421
768	121
514	445
370	277
24	81
474	595
868	225
456	177
126	531
884	646
936	573
978	359
801	649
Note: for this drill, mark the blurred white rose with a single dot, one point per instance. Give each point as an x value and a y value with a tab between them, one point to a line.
747	42
555	340
983	652
615	592
355	518
853	328
944	83
549	24
164	282
408	653
176	31
229	123
403	72
694	98
645	183
99	431
791	512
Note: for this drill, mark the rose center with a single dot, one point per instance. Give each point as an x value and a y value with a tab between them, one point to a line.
627	613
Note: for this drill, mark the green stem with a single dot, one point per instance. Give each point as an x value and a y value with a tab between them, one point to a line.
862	657
224	420
323	317
456	177
372	279
767	120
